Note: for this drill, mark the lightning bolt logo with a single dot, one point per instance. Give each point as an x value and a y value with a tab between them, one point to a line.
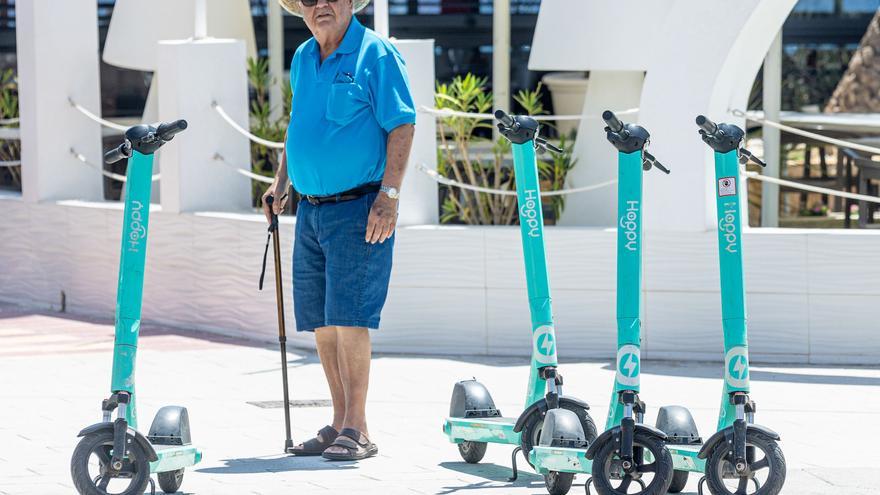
544	345
737	360
628	365
547	346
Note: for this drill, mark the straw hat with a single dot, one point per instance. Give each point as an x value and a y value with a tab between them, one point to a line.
295	8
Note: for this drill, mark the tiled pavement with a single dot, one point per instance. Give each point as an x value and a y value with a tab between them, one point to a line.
54	371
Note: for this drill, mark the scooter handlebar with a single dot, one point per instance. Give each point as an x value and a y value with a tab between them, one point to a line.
707	125
505	119
613	122
167	130
121	152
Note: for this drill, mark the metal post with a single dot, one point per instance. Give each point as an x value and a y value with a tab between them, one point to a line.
772	103
501	57
275	28
380	17
201	18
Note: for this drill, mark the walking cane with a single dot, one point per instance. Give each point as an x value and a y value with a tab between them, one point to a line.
279	297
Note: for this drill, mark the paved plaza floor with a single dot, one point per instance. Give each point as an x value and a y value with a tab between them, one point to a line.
54	371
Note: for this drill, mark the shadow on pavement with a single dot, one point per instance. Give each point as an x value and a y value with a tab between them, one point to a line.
252	465
496	477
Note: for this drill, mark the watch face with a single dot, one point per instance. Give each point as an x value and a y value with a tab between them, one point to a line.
391	192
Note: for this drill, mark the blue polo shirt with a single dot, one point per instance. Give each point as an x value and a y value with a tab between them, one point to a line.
343	110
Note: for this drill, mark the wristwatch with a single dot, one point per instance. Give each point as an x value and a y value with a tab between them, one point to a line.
390	191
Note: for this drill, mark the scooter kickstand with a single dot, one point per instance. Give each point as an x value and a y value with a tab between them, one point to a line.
587	485
700	485
513	462
152	486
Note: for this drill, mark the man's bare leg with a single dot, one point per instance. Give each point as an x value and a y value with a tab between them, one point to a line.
326	342
354	352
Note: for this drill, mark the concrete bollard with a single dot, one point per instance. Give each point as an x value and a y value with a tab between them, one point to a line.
57	60
196	73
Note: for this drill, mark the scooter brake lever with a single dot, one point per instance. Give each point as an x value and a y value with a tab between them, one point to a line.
650	159
750	157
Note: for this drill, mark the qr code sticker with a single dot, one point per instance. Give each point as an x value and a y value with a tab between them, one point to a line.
727	186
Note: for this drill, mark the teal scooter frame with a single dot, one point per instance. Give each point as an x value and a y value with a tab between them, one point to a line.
628	449
473	420
120	452
731	454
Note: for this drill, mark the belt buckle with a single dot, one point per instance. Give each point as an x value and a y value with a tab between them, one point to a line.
312	200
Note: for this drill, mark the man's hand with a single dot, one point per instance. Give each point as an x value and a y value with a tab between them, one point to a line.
382	219
277	191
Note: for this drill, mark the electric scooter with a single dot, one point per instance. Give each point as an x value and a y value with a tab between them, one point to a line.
628	453
473	420
740	453
113	456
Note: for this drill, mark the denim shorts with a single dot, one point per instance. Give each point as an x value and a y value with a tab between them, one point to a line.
339	279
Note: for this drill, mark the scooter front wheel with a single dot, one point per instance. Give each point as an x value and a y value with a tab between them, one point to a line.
472	452
91	471
651	478
764	475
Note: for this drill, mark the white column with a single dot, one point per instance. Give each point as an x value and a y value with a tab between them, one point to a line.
194	74
500	57
58	59
380	17
597	158
772	105
418	195
275	25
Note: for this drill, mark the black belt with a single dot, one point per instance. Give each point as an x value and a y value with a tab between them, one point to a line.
344	195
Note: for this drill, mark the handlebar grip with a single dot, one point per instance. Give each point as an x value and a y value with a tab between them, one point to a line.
706	124
167	130
613	122
505	119
121	152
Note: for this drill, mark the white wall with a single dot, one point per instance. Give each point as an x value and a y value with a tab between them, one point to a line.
460	290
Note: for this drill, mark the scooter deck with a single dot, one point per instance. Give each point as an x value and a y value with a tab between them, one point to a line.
684	458
559	459
490	430
174	457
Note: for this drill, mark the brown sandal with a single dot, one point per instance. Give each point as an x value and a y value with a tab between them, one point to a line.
317	445
356	443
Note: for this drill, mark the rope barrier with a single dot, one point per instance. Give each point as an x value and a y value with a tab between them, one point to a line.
447	112
13	120
10	133
807	187
246	173
106	123
812	135
243	131
433	174
10	163
105	173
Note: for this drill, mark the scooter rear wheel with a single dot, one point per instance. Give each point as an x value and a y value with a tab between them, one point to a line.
170	481
679	481
90	467
558	483
764	456
472	452
608	472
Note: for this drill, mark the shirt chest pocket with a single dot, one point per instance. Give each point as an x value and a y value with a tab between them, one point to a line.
344	102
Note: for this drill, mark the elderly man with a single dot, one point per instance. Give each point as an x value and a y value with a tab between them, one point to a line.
351	129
